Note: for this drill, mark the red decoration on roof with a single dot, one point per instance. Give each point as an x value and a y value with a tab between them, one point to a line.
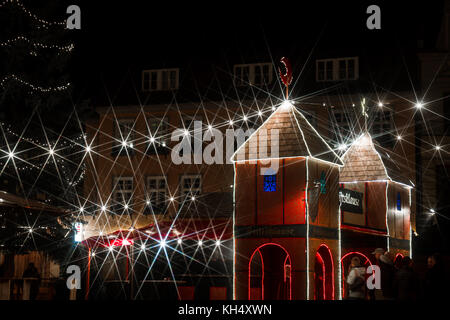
286	77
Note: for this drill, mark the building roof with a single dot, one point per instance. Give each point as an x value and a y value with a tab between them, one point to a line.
366	160
296	138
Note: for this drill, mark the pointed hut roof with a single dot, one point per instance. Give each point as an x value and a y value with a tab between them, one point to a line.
296	138
366	160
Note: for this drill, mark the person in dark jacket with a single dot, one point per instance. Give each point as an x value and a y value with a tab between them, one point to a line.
387	274
434	285
406	282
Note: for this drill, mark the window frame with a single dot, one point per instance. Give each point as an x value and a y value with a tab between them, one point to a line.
116	190
188	191
240	80
159	79
161	206
119	136
162	129
335	69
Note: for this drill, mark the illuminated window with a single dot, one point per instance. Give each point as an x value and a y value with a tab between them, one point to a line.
399	202
189	125
270	183
160	79
159	136
254	74
124	136
157	194
191	184
122	194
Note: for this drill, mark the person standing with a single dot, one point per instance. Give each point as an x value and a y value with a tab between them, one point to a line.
387	274
435	276
406	282
356	280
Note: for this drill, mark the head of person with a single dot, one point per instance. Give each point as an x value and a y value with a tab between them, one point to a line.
406	262
356	262
434	260
31	265
431	262
378	253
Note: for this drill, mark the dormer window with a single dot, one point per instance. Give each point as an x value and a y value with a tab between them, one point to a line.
337	69
253	74
160	79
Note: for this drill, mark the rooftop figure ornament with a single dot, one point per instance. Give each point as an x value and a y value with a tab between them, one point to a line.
286	77
364	113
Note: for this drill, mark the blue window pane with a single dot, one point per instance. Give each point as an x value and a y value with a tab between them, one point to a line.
399	202
270	183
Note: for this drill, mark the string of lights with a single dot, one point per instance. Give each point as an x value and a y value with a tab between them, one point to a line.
44	23
33	87
36	45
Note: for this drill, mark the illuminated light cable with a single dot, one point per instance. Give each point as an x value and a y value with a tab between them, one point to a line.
410	226
307	228
234	226
387	213
36	45
339	252
43	22
32	86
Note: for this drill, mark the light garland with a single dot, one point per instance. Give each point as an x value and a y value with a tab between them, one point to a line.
307	228
34	87
339	253
42	22
36	45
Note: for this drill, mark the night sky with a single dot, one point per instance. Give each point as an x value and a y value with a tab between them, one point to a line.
117	37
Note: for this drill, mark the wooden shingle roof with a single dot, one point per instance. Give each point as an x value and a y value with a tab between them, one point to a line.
296	138
365	160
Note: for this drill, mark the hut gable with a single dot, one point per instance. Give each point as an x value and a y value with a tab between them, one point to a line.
296	138
365	160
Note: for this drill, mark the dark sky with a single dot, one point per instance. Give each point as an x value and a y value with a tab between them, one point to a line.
117	36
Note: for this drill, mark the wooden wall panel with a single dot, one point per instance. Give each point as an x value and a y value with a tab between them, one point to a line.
294	194
376	210
245	196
